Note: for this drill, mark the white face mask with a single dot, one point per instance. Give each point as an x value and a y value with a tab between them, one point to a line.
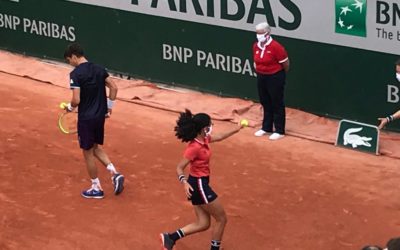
398	76
208	130
262	37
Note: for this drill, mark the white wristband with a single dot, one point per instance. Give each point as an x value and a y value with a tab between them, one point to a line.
69	107
110	103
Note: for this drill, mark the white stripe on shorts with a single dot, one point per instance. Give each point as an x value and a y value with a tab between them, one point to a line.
203	195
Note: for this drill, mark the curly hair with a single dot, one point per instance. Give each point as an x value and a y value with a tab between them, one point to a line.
188	126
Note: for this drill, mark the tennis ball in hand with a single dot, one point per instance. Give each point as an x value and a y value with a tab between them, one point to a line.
63	105
244	123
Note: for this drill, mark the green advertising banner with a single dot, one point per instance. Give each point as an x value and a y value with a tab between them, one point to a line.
358	136
342	52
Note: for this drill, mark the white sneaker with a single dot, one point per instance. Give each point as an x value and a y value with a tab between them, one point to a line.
276	136
260	133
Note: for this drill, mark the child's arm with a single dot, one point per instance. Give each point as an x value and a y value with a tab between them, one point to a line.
223	136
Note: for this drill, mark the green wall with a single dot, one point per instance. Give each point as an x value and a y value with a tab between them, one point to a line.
328	80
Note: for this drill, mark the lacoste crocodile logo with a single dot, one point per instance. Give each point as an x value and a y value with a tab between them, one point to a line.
355	140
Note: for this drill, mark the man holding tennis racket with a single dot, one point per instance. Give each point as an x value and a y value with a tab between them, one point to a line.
88	83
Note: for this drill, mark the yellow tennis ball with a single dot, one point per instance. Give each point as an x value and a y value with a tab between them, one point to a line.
63	105
244	123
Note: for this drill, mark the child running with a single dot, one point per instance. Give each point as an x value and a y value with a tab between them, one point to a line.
196	130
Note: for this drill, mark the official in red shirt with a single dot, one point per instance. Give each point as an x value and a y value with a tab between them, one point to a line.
271	63
196	130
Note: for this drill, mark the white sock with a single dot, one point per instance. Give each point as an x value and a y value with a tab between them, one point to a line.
111	168
96	184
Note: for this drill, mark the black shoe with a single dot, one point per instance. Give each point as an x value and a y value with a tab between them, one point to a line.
166	242
118	181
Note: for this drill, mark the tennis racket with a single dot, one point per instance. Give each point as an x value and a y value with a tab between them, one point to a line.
67	122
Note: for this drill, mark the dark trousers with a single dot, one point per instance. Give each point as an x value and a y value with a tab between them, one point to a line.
271	93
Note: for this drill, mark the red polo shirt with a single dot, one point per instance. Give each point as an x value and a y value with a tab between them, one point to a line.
268	60
199	155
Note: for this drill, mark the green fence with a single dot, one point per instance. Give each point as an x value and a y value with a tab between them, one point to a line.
333	80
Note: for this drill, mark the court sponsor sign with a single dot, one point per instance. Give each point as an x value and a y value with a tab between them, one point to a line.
358	136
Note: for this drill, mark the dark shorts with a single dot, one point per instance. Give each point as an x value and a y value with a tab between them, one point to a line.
202	192
91	132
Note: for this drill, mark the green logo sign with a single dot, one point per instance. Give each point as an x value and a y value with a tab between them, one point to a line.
351	17
358	136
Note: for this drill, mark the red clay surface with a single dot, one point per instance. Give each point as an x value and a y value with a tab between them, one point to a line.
288	194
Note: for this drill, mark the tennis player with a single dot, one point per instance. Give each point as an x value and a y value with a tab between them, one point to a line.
196	130
88	83
396	115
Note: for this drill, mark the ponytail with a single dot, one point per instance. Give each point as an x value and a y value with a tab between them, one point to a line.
188	126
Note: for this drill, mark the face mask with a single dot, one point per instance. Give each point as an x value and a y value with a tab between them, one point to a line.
208	130
398	76
262	37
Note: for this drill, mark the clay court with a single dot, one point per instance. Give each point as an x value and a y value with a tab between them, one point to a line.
294	193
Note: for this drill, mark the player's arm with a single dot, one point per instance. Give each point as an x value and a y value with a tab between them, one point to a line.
224	135
76	99
76	93
389	118
180	171
112	86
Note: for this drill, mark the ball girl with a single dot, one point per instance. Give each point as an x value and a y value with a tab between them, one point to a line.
196	131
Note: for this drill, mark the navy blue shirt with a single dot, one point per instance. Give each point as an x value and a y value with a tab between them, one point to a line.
90	78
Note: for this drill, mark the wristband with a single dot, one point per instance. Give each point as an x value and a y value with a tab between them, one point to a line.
69	107
110	103
182	178
390	118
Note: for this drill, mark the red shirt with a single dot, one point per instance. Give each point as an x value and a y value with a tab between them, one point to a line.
268	60
199	155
